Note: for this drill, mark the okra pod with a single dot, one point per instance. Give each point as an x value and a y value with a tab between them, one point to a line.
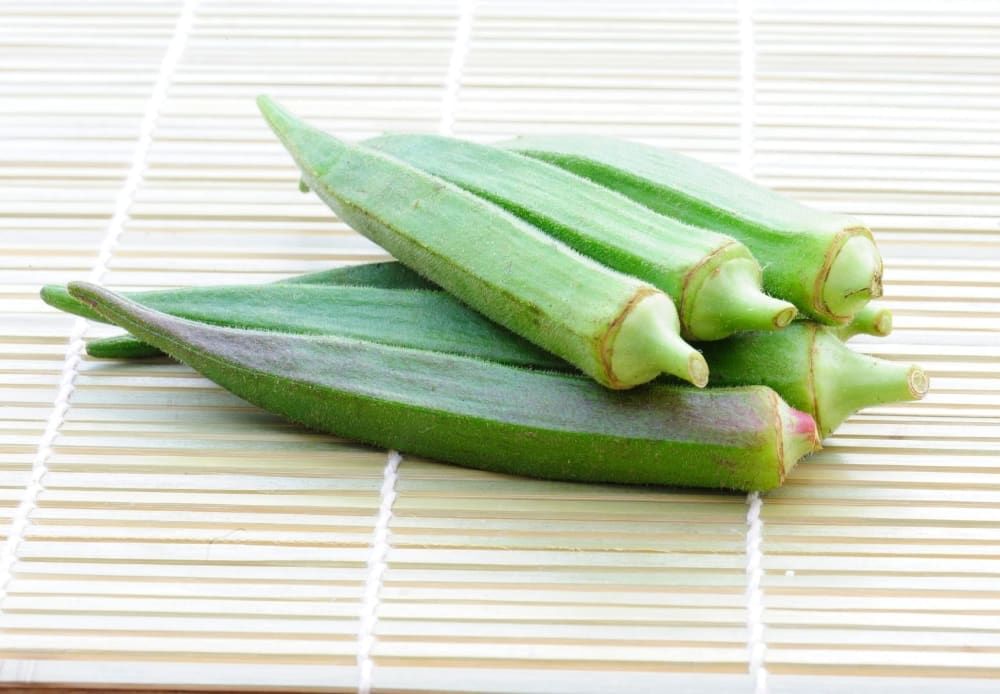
824	263
419	319
616	328
387	275
806	364
714	281
487	415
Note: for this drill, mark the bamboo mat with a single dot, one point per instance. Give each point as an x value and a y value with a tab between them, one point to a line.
161	533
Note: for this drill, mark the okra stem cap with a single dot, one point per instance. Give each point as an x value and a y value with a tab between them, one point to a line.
854	278
846	381
649	343
730	300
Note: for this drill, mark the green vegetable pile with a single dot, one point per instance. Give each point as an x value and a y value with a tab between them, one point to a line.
552	296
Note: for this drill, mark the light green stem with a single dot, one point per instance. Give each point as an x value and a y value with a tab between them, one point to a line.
871	320
730	301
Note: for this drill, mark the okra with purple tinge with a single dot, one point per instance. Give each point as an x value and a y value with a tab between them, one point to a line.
487	415
806	364
815	371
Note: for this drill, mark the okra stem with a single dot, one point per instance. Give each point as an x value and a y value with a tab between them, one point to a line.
871	320
729	300
845	381
646	336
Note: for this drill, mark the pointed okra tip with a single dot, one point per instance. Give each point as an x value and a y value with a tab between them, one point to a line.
143	322
121	347
94	296
116	308
274	113
312	149
58	296
54	295
291	130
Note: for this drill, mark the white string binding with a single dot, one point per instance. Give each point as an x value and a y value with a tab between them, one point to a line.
376	570
456	65
377	559
756	642
74	352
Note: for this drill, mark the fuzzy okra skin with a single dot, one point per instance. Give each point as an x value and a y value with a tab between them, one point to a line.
813	370
384	275
824	263
387	275
617	329
714	281
486	415
420	319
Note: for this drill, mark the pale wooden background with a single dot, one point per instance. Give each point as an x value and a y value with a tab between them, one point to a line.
160	532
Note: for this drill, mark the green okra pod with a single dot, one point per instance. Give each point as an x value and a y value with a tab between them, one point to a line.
806	364
121	347
487	415
714	280
387	275
826	264
614	327
419	319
